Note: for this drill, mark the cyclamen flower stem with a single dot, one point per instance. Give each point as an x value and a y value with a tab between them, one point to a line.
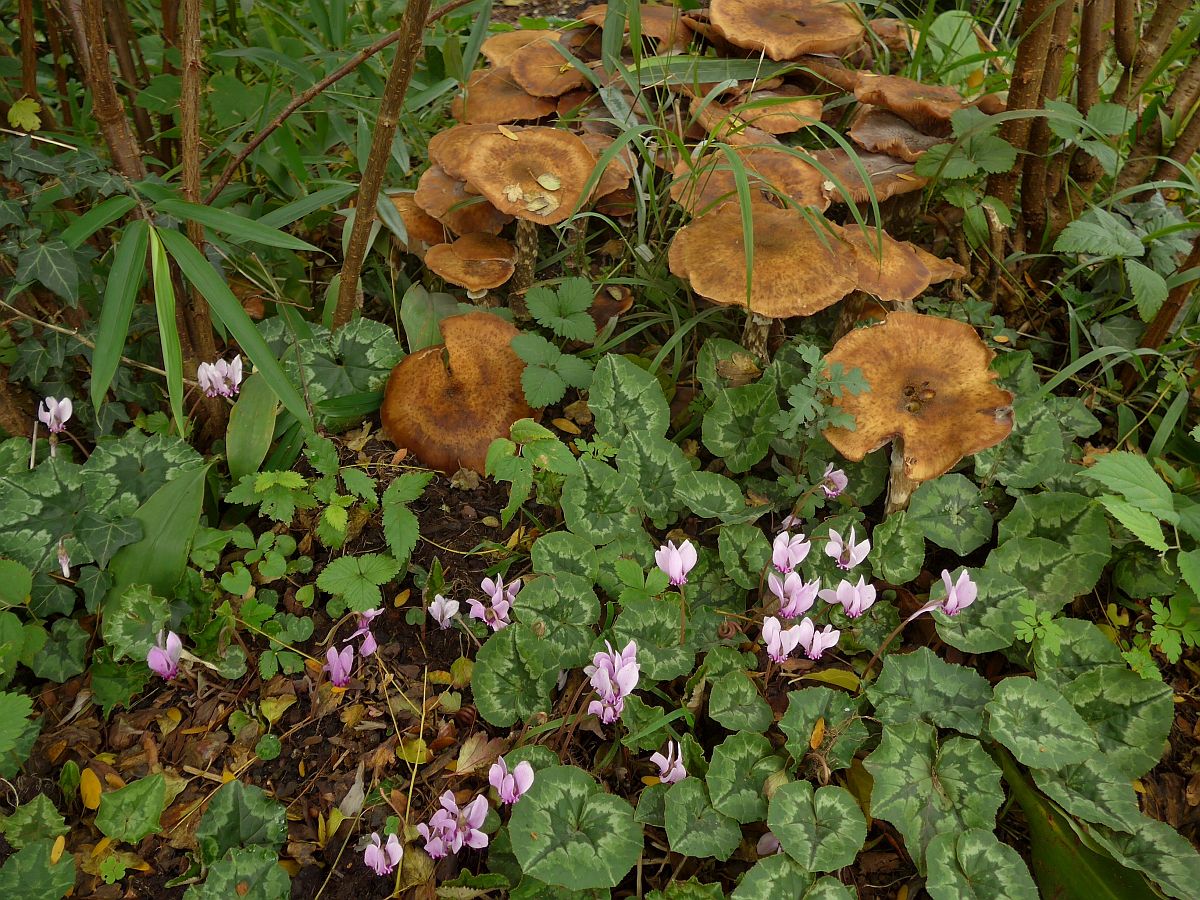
682	615
862	679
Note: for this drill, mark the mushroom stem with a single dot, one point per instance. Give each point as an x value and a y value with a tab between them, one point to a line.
755	334
527	246
900	486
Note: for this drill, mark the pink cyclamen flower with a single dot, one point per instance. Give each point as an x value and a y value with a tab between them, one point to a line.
816	642
443	610
789	522
670	767
767	845
789	551
497	590
676	562
780	641
959	594
795	597
855	599
339	665
163	657
450	828
365	619
55	413
64	559
220	379
833	482
847	553
510	785
383	858
495	614
614	676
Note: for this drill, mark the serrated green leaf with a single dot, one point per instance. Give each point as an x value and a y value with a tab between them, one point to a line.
1149	288
1141	524
542	386
357	579
1099	233
1132	476
565	310
23	114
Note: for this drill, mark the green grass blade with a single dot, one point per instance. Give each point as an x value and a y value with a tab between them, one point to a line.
124	280
234	226
168	334
298	209
229	310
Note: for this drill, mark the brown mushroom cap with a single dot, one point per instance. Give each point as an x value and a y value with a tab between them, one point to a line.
800	267
499	48
448	402
926	106
421	226
663	23
477	262
879	131
540	69
728	127
446	147
708	180
895	34
930	386
824	72
447	200
492	96
532	173
786	29
939	269
781	111
618	173
888	268
889	176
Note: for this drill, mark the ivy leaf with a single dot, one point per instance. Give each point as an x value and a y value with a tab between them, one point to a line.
565	311
357	579
53	264
63	655
132	812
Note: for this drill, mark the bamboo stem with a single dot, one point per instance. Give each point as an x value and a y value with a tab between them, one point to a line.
413	25
1034	168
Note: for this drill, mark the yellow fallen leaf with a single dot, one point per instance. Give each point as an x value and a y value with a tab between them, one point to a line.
508	133
818	734
842	678
169	720
566	425
549	182
56	852
273	708
414	751
89	789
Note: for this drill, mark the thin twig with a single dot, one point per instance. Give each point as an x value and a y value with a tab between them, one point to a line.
89	343
306	96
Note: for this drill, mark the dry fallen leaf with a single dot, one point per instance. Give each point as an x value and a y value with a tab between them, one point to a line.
89	789
512	193
549	182
818	734
508	133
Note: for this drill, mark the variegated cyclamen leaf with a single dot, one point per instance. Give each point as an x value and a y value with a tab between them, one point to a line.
987	624
775	877
823	830
694	827
925	787
843	730
598	503
1039	725
975	865
567	831
511	679
240	815
1158	850
740	766
1131	716
626	399
922	686
248	873
1091	791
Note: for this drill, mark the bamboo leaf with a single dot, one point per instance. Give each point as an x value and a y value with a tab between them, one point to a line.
234	226
229	310
168	333
124	280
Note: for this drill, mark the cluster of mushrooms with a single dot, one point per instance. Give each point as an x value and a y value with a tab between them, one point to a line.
538	120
